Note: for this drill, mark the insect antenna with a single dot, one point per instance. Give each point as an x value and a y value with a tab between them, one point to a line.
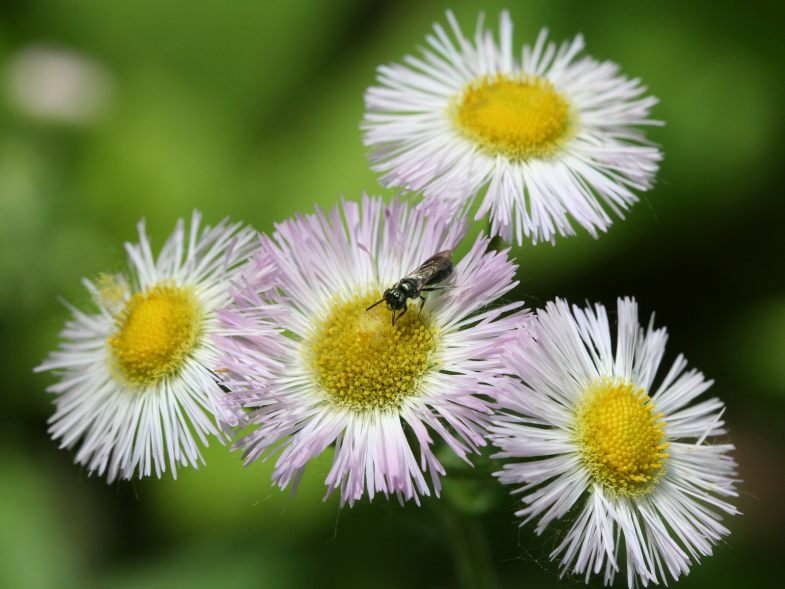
376	303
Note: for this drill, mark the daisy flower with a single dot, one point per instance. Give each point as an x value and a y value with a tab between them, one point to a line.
318	367
135	388
550	136
590	434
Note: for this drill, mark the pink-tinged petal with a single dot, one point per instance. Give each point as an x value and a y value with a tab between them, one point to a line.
291	284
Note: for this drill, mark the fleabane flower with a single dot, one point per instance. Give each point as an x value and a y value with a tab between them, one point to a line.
586	431
548	136
136	387
317	367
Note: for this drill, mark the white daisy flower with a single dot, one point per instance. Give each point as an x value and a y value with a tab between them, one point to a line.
319	365
136	387
590	434
553	137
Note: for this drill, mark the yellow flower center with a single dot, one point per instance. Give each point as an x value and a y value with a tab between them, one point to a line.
156	331
621	438
518	118
364	362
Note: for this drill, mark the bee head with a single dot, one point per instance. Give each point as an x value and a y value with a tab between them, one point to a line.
395	298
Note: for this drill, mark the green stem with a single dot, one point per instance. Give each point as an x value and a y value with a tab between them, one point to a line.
474	566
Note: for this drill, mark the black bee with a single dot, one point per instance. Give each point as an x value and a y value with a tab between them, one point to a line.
435	269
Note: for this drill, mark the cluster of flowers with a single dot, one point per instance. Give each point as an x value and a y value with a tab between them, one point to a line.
227	329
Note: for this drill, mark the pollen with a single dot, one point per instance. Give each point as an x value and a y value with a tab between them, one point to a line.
156	332
111	289
519	118
621	438
363	362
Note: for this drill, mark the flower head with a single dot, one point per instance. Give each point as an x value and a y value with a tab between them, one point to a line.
587	431
552	137
137	387
319	365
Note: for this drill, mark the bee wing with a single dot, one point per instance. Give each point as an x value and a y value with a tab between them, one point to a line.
434	269
441	258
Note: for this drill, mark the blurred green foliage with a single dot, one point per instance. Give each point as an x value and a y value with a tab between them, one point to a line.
252	109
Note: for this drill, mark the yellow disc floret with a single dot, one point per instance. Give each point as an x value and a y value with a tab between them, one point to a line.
621	437
156	331
364	362
519	118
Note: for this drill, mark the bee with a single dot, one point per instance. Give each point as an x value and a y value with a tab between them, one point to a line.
433	270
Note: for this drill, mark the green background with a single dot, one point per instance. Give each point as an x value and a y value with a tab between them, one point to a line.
252	109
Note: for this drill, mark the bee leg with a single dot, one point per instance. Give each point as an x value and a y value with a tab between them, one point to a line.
422	304
399	316
433	288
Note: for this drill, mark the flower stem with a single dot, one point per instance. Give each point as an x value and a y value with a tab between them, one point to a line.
474	567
